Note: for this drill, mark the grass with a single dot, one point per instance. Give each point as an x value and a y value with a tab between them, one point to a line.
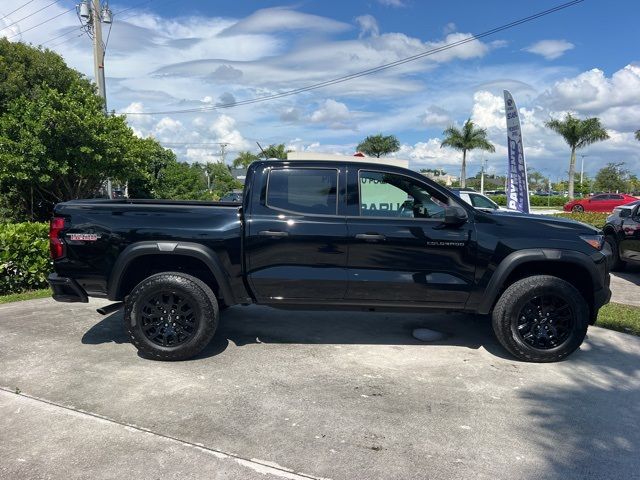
29	295
623	318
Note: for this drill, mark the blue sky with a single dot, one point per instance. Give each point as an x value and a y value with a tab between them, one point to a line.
167	55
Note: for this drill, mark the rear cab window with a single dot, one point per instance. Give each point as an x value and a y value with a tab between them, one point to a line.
307	191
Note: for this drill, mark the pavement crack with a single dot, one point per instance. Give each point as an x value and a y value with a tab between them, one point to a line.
260	466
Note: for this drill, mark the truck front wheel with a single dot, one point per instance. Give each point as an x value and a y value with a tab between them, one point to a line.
171	316
541	319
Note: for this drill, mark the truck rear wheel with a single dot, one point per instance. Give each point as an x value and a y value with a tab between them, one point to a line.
541	319
171	316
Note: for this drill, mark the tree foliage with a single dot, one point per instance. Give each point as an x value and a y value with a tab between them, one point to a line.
221	180
56	144
379	145
638	135
578	134
466	139
244	159
613	178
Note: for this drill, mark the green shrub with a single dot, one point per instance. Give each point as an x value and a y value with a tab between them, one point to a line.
24	257
592	218
534	200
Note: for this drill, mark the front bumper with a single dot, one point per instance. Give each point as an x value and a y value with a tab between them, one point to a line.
66	289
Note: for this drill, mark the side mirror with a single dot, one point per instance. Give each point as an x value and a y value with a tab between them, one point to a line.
455	215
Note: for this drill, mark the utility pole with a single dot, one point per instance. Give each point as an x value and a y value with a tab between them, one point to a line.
582	168
98	50
482	168
223	147
93	15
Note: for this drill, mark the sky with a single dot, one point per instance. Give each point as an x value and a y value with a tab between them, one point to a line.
168	55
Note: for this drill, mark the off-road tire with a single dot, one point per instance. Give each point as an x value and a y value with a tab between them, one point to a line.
197	292
509	306
616	263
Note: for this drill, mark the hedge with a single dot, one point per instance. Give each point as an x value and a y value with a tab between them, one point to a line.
595	219
24	257
534	200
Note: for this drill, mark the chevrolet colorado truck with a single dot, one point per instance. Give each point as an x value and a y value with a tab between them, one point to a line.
334	236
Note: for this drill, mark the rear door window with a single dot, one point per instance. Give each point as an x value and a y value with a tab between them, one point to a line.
303	190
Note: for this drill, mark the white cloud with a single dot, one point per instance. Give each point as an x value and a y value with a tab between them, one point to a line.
392	3
368	26
488	110
224	130
550	49
279	19
332	113
592	91
449	28
435	116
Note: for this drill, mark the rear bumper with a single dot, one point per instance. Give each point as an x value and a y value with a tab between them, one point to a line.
66	289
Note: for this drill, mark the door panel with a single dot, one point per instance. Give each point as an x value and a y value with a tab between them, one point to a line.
400	250
297	255
417	261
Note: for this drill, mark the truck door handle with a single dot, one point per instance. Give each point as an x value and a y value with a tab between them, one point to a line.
272	233
370	237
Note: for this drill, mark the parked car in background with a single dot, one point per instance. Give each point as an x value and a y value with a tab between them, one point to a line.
622	232
604	202
476	199
232	197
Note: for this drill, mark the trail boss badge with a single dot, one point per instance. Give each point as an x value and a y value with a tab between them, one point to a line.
83	237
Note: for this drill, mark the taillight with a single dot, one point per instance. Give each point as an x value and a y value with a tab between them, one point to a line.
56	247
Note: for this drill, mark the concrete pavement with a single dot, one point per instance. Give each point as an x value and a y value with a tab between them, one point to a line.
625	286
322	394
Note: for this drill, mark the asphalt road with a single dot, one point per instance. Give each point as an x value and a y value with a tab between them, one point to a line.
310	395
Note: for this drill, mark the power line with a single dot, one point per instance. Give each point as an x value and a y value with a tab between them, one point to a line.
369	71
41	23
30	15
67	40
19	8
61	35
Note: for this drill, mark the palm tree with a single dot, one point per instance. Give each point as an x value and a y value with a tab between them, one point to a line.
469	138
578	134
244	159
275	151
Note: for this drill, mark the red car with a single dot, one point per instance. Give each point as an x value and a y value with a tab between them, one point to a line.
604	202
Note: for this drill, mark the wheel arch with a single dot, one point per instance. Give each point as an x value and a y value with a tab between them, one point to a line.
574	267
141	259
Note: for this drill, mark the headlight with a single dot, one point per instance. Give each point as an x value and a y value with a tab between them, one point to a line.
596	241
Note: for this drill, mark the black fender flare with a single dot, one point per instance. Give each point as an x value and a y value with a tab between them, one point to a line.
195	250
520	257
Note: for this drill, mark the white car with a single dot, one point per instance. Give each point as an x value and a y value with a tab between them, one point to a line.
478	200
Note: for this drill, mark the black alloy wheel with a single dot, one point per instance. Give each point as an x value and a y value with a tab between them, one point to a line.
171	316
168	319
545	322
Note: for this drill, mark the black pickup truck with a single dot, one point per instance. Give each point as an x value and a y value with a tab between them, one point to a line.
330	235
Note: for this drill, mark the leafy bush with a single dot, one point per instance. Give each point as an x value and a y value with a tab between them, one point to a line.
24	257
592	218
534	200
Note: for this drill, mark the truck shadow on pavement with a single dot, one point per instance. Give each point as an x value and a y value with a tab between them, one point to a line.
630	274
587	428
256	324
